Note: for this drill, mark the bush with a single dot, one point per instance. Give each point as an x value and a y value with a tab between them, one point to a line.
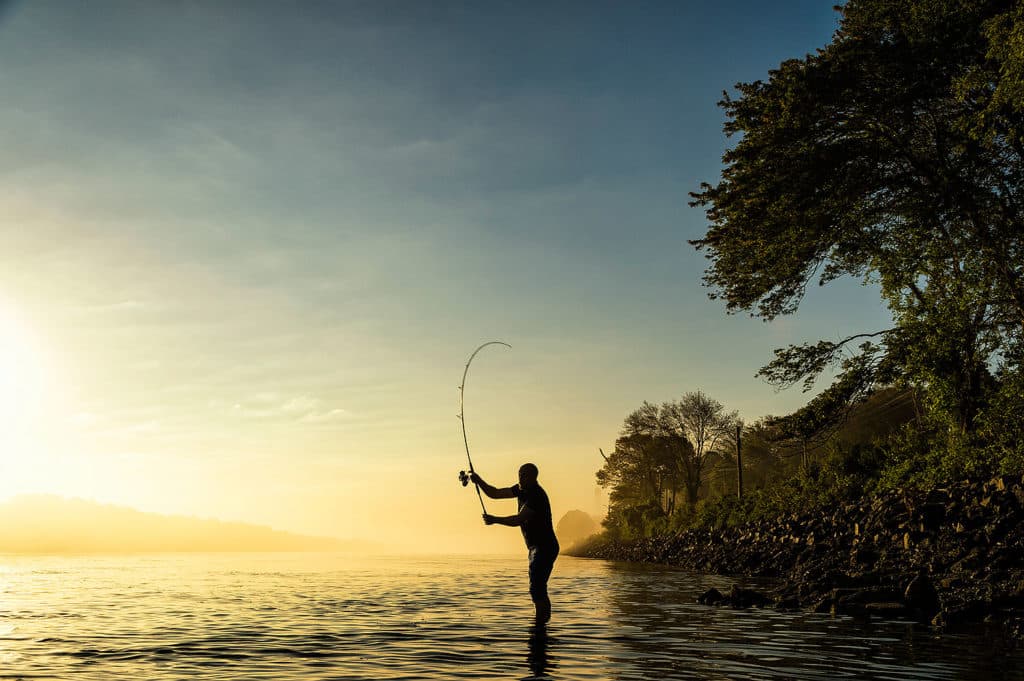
1002	424
928	456
636	522
845	473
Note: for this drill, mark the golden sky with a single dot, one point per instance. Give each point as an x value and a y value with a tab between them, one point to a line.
242	263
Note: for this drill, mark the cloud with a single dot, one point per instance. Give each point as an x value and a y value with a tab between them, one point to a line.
118	306
274	407
326	416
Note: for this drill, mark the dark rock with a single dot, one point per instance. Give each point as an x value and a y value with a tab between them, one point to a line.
952	617
887	609
856	602
789	603
747	598
823	606
865	596
921	597
711	597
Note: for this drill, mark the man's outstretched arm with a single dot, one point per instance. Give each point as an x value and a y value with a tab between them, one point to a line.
490	490
510	520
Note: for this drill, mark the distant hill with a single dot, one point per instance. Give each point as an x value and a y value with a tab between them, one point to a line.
52	524
575	526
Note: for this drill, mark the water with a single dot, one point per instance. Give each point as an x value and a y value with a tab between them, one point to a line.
289	616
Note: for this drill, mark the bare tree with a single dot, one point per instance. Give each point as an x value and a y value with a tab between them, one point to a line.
708	427
692	428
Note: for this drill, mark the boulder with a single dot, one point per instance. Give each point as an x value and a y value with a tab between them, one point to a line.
954	616
711	597
921	598
747	598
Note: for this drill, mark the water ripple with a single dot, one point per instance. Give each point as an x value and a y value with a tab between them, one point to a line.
336	617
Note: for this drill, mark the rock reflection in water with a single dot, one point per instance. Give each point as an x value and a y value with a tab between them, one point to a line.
667	634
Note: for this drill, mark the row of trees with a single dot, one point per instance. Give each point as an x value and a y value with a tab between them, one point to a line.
674	463
661	458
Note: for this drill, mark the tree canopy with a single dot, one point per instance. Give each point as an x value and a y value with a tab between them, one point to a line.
895	154
663	451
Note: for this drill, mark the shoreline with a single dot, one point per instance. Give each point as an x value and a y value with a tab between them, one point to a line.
947	556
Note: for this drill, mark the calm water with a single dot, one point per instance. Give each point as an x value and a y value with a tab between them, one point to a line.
337	617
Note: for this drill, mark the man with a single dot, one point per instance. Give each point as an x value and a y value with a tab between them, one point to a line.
534	519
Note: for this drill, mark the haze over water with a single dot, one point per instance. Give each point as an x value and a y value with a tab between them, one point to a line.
331	616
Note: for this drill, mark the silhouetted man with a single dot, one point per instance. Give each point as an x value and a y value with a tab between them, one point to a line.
534	519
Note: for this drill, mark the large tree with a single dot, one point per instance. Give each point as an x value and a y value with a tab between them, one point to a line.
894	154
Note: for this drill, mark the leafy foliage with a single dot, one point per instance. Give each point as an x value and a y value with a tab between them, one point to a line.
661	456
893	154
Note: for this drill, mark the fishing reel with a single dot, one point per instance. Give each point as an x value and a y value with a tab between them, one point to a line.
464	478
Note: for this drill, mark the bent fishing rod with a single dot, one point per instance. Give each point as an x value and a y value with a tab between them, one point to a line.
463	476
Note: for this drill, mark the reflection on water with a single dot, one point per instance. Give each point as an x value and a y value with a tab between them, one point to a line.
667	636
539	640
336	617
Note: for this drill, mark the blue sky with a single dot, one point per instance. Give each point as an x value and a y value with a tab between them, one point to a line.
268	235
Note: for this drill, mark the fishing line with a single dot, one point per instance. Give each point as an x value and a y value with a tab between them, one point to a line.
462	417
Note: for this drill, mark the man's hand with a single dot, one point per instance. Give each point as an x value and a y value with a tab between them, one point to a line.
477	480
488	519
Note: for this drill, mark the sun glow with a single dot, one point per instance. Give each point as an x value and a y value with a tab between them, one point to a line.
22	389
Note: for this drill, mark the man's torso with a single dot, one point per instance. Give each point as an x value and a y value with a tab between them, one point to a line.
538	531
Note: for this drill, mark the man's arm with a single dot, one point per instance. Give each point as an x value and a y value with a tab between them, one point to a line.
491	491
520	518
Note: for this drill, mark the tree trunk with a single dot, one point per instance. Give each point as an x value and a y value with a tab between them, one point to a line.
692	493
739	464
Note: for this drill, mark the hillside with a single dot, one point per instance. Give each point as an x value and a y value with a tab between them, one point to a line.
51	524
575	526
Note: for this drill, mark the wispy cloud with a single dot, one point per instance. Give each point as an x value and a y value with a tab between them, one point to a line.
271	406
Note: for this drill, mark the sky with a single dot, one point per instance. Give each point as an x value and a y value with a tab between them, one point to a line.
247	248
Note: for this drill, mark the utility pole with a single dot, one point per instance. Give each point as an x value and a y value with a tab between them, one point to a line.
739	463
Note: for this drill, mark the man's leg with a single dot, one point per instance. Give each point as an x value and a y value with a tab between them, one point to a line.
541	564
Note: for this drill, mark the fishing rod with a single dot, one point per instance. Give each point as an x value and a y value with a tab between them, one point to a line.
463	476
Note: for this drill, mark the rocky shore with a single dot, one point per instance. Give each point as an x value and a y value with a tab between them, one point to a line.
947	556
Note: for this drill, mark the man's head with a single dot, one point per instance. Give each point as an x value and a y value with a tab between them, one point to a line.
527	476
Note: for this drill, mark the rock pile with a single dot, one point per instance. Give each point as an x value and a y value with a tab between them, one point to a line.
948	556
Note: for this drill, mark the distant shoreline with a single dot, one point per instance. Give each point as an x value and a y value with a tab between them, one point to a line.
53	525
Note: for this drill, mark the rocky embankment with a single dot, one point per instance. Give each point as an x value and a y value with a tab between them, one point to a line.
948	556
